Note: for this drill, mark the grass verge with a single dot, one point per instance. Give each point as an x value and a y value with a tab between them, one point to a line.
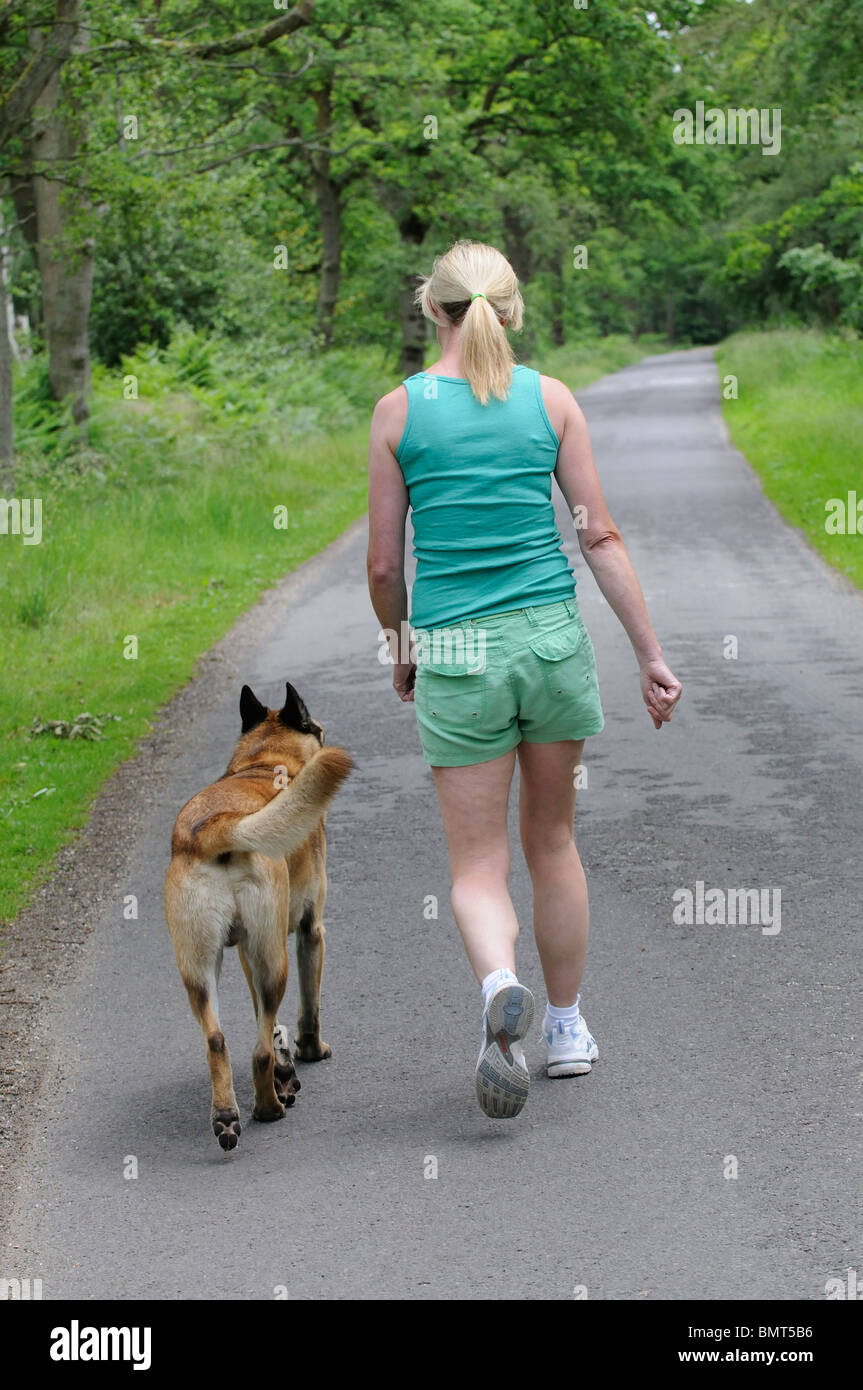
798	418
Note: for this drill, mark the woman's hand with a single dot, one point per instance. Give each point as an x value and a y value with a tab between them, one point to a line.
404	677
661	691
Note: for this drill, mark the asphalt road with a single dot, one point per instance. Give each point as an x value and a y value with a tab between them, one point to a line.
715	1040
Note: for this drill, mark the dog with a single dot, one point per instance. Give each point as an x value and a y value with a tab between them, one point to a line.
248	867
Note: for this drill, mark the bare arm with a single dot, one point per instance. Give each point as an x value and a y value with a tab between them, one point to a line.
603	548
388	509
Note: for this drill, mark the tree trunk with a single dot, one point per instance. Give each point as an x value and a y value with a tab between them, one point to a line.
22	193
558	331
7	458
329	206
413	323
517	244
330	210
413	351
669	318
65	258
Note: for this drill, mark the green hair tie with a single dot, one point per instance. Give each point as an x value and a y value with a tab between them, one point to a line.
479	295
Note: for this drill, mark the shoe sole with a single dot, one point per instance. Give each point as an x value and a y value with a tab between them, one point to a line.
556	1069
502	1084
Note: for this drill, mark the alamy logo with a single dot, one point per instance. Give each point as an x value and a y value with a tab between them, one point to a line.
844	516
453	646
77	1343
21	516
845	1288
729	906
736	126
19	1290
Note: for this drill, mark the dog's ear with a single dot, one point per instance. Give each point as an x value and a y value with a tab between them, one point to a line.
293	713
252	712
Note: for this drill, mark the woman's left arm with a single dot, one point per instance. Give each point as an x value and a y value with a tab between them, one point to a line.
602	547
385	561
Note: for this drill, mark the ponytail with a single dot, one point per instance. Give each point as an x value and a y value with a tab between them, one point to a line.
486	355
475	285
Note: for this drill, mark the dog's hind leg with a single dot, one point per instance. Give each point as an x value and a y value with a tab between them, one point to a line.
199	909
310	966
269	977
262	895
247	971
224	1115
286	1083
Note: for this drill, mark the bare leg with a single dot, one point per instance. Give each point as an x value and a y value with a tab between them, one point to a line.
560	908
473	802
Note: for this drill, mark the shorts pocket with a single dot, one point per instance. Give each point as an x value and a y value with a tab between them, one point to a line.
561	655
453	692
560	643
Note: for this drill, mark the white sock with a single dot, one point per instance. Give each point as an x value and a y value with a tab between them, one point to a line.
567	1016
493	981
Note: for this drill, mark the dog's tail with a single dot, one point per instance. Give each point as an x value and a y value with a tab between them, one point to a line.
284	823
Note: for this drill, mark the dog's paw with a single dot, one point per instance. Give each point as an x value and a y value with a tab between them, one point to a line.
286	1085
310	1048
271	1110
285	1078
226	1127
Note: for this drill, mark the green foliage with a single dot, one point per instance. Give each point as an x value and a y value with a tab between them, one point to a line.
807	262
192	357
824	285
228	158
83	725
552	128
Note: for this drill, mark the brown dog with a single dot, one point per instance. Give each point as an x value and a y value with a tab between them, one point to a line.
248	867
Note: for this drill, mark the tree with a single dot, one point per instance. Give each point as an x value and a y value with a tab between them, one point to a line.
44	135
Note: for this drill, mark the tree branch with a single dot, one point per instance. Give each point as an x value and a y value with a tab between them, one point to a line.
250	149
48	58
288	23
270	74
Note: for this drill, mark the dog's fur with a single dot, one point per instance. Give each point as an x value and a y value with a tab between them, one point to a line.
248	867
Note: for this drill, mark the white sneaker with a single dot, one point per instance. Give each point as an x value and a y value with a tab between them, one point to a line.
502	1077
570	1050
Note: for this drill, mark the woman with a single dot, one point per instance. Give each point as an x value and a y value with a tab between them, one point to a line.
504	666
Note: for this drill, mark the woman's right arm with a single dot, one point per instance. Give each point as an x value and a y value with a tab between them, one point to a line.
604	551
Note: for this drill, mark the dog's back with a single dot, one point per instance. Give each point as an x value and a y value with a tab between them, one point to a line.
248	811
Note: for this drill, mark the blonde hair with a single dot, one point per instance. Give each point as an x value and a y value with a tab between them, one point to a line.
472	268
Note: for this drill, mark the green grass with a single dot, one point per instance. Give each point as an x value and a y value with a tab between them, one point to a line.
163	531
798	419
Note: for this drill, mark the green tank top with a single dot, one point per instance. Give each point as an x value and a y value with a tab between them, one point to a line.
479	481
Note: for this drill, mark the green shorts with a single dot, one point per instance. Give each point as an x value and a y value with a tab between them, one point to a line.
485	684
